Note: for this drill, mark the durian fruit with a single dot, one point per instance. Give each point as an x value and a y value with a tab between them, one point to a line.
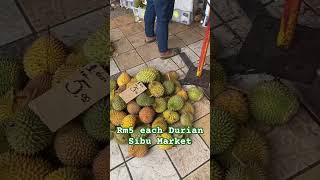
169	87
45	55
101	165
138	150
118	104
66	173
137	134
94	120
182	93
187	108
12	75
222	131
131	82
123	79
74	147
97	48
121	138
252	171
4	145
272	103
18	167
161	123
133	108
195	93
171	75
113	85
116	117
129	121
186	119
26	133
235	103
160	105
63	73
249	147
147	114
146	75
171	116
76	59
156	89
144	99
137	3
175	103
215	170
36	87
7	106
219	80
165	146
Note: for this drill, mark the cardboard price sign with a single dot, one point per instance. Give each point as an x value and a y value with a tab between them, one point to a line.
133	91
69	99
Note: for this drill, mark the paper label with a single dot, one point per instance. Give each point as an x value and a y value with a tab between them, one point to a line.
69	99
133	91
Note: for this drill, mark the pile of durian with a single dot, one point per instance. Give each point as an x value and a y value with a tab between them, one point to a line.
239	151
29	150
165	103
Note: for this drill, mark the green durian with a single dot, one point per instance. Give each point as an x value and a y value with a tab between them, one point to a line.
169	87
118	104
121	138
223	131
216	171
146	75
97	48
22	167
195	93
12	75
175	103
26	133
249	147
219	80
145	99
160	105
95	121
272	103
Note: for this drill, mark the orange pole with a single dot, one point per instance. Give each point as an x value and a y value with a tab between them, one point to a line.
289	22
204	50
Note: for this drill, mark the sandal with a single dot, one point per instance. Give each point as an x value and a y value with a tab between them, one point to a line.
170	53
150	39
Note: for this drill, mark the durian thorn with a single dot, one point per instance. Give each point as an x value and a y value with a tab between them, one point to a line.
238	159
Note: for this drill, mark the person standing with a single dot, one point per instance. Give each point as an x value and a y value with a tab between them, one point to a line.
163	10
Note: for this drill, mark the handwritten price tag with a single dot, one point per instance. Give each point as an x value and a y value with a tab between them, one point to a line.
69	99
133	91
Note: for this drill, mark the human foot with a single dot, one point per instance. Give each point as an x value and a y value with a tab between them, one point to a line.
170	53
150	39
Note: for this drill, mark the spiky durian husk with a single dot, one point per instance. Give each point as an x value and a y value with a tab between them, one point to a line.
251	171
215	170
219	79
45	55
223	131
273	103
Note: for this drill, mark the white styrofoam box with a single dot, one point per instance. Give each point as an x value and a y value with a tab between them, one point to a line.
127	3
186	5
186	17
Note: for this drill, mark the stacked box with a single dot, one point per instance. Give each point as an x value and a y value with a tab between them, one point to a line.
127	4
184	11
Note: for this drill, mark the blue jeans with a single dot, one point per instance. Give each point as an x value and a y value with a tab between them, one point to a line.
163	10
